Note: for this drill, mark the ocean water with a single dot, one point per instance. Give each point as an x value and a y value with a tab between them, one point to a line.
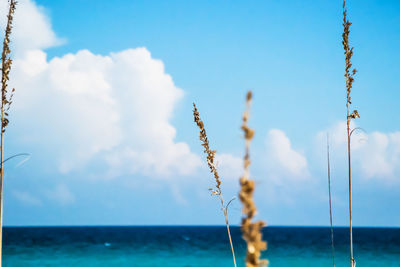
183	246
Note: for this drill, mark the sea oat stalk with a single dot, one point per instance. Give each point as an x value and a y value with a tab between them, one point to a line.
211	164
330	199
349	74
251	231
6	102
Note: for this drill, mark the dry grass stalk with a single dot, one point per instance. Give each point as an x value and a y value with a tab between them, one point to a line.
6	101
330	199
251	230
349	74
211	164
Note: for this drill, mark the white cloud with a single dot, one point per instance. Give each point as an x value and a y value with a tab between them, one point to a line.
80	107
229	166
61	194
32	28
338	135
119	106
27	198
284	162
374	155
67	104
374	158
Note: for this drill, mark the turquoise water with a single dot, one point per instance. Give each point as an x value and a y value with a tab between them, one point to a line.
193	246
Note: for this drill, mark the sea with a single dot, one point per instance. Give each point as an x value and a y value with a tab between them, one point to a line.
190	246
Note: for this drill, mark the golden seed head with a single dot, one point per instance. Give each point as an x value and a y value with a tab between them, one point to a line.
349	74
251	230
6	67
210	153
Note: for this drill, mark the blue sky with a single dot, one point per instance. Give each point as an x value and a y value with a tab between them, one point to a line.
104	105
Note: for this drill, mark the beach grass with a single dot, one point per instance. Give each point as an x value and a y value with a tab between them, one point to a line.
6	96
349	74
217	191
251	231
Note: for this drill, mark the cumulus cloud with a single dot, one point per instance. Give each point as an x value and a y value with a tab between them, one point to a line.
67	105
119	105
338	135
32	28
283	161
114	108
374	155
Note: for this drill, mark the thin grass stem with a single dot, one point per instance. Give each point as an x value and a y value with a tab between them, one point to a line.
330	199
211	164
5	104
349	74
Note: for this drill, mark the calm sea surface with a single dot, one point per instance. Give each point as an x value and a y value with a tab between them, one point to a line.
193	246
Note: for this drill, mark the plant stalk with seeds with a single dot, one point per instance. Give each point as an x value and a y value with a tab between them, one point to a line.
251	231
349	74
211	164
6	102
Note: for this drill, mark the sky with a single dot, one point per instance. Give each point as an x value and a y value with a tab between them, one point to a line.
103	104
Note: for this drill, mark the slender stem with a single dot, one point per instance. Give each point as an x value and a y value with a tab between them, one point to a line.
5	70
1	171
16	155
349	162
330	200
4	56
1	185
210	161
227	227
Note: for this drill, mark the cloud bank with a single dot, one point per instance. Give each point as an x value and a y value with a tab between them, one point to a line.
115	109
375	155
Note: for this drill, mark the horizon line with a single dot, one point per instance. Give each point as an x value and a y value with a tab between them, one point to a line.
189	225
